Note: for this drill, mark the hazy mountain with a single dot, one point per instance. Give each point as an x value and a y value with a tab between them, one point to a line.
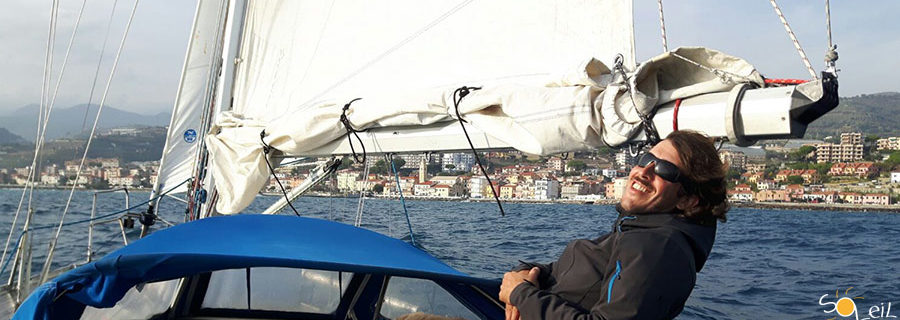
7	137
871	114
66	122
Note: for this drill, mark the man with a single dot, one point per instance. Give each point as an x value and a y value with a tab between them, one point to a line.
646	267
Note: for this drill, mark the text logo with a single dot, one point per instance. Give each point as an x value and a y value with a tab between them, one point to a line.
190	136
845	306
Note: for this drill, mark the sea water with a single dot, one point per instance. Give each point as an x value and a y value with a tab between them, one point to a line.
774	264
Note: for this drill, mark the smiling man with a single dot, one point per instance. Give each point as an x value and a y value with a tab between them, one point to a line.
646	267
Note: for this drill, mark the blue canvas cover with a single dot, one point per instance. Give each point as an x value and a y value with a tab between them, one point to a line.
231	242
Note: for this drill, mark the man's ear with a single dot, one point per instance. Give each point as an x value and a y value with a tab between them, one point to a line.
687	202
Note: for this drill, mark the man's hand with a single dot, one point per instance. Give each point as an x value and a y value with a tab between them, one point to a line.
512	313
513	279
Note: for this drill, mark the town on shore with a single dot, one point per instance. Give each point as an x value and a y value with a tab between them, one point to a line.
850	170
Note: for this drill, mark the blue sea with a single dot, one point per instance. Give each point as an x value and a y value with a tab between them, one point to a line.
766	264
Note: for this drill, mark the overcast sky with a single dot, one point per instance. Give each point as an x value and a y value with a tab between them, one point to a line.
867	33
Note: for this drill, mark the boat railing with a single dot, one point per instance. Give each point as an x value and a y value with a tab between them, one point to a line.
122	220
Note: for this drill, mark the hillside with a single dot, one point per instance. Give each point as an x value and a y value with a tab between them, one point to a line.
871	114
146	146
7	137
66	122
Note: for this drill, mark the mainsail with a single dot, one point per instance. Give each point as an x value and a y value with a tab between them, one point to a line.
553	76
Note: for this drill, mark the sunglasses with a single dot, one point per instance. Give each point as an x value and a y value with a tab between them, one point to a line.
662	168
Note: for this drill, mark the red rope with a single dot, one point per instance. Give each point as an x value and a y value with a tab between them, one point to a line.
786	81
675	115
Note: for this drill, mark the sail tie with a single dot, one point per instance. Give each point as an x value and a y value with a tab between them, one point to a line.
350	129
266	149
458	95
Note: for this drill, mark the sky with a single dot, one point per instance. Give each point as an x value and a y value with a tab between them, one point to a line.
149	69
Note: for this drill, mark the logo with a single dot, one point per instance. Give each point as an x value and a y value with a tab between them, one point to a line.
845	306
190	135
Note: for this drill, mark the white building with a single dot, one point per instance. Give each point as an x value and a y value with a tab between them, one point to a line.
476	187
546	189
346	180
624	159
459	161
895	177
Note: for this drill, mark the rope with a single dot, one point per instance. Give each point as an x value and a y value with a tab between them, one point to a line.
87	147
650	132
458	95
22	234
790	32
828	22
412	238
349	127
831	54
266	149
785	81
662	26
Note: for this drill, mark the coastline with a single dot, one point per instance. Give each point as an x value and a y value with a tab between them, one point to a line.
753	205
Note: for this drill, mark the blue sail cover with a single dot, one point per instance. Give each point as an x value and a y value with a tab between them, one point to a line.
231	242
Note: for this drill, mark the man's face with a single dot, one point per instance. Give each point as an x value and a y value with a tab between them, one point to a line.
647	192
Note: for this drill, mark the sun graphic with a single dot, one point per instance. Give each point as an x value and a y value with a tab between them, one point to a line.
845	306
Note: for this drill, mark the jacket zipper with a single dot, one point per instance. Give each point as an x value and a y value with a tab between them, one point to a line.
613	280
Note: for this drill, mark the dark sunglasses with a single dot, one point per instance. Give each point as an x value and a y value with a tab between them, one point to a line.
664	169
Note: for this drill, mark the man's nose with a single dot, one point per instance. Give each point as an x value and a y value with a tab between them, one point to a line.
648	170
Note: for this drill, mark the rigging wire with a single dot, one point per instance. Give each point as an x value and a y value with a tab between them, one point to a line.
662	26
43	117
793	37
458	95
46	269
99	63
412	238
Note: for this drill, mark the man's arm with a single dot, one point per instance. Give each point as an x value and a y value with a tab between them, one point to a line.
655	276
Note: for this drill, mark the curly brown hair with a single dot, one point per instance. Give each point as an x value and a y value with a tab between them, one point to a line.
707	173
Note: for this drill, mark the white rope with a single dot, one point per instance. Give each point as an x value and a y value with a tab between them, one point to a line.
790	32
45	80
662	26
828	23
46	269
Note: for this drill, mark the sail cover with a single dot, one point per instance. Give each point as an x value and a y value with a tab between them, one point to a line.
194	92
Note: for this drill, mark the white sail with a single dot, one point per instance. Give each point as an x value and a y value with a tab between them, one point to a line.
297	53
193	97
300	62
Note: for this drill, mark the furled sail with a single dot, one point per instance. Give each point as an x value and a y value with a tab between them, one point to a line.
577	110
193	97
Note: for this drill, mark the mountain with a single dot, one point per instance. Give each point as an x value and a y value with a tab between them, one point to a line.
871	114
68	121
7	137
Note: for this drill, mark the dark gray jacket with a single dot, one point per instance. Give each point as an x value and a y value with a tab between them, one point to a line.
644	269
